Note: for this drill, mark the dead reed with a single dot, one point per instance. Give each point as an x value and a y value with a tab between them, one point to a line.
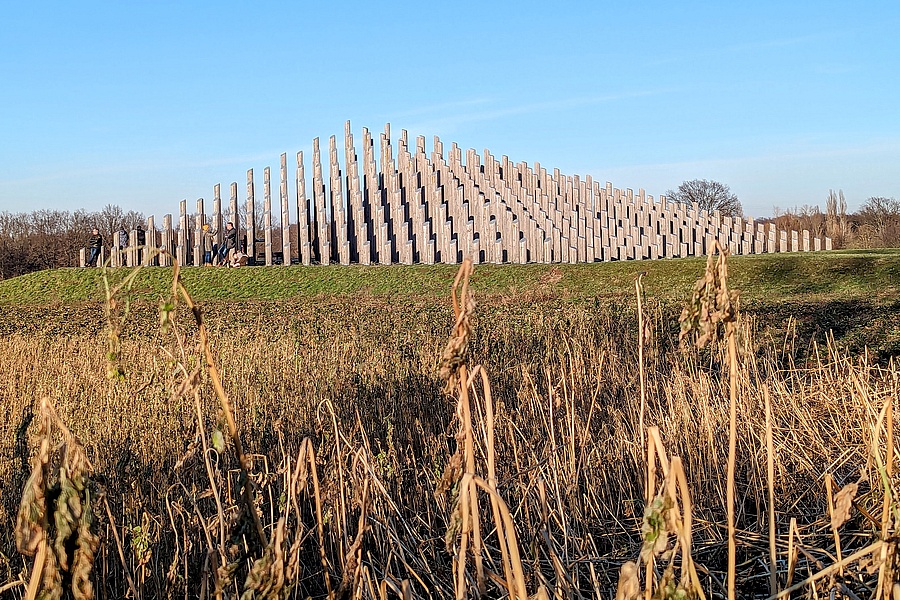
238	458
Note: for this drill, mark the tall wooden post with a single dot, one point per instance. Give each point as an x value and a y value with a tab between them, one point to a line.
360	247
338	211
250	233
267	214
235	217
216	222
374	205
131	250
285	215
303	222
199	218
324	229
181	251
150	244
166	242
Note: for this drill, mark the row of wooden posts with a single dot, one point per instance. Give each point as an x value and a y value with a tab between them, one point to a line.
411	207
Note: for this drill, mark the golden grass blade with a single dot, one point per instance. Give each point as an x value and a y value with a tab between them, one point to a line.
651	491
829	492
115	532
507	533
732	451
770	485
34	583
639	292
883	465
492	475
791	552
227	411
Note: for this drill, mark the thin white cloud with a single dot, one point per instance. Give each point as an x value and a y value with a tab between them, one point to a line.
746	47
449	122
830	151
140	167
787	177
443	107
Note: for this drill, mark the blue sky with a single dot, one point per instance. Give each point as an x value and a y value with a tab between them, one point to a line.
142	104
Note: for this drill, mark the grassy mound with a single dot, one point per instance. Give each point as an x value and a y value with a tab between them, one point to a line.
765	279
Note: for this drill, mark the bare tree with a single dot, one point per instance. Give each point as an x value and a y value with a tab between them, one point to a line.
242	215
47	239
837	227
883	214
709	195
109	220
132	219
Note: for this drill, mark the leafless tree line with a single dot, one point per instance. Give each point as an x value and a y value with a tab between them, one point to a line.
48	239
875	225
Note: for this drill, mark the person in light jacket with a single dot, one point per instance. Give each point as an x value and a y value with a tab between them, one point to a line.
208	242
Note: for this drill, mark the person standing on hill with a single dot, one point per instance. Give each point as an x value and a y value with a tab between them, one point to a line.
95	243
122	237
141	242
208	241
230	243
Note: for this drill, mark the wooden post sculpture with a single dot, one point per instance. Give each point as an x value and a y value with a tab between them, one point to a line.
426	208
285	214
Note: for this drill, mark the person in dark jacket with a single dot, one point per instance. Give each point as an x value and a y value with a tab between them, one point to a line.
230	243
141	242
95	243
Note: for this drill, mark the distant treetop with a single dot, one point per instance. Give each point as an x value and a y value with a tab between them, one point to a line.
709	196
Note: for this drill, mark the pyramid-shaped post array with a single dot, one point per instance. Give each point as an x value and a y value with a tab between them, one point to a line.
406	206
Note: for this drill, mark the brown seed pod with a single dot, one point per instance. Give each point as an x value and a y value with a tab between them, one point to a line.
711	304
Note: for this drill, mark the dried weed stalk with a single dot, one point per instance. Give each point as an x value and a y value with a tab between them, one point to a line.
55	518
457	350
711	304
667	517
461	476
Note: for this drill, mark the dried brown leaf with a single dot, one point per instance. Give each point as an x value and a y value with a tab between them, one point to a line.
843	502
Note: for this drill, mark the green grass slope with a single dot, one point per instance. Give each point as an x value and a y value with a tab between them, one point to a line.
763	279
852	295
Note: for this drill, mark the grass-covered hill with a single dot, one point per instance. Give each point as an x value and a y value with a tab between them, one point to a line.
854	295
865	275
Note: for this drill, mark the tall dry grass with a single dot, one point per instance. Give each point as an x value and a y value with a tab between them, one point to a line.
361	473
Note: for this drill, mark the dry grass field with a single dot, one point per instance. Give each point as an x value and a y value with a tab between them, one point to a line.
527	445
